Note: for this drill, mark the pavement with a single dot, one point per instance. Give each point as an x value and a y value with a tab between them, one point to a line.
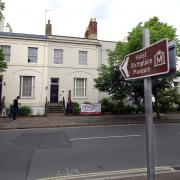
61	120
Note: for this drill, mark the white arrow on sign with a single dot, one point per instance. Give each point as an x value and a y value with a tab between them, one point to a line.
123	67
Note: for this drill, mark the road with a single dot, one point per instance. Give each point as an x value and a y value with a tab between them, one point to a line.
42	153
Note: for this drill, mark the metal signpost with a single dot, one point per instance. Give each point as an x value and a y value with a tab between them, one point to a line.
149	118
152	60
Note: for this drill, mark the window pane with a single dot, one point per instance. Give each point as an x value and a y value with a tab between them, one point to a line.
32	55
58	56
82	57
7	52
27	86
80	87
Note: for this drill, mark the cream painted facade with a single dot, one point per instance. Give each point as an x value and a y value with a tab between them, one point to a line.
47	75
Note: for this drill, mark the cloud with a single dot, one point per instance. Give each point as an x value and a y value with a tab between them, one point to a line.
71	17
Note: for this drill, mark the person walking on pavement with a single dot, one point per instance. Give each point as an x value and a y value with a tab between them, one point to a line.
15	109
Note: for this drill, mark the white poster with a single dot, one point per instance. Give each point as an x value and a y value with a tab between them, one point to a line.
89	109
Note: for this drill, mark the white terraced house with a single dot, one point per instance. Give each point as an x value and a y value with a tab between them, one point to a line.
46	68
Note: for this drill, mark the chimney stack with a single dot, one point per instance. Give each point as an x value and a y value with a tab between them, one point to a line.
91	31
48	30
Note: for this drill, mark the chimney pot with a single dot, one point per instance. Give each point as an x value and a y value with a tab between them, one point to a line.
48	30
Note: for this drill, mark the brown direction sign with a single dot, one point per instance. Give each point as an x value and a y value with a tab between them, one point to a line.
150	61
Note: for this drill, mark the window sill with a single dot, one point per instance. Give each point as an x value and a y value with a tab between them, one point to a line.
79	97
24	97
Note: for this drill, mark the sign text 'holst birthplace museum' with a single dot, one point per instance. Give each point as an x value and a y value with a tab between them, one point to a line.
150	61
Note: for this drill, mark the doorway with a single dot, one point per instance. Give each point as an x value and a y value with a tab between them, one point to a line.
54	90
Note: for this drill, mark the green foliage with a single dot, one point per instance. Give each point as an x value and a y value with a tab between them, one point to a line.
140	109
2	7
75	108
167	99
110	79
25	110
3	64
118	107
106	105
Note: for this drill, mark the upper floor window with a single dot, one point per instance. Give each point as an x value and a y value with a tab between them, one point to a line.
82	57
32	54
80	87
27	86
6	52
58	56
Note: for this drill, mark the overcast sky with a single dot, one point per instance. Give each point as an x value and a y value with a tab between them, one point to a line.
71	17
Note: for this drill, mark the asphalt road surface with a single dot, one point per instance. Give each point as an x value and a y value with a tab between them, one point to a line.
46	153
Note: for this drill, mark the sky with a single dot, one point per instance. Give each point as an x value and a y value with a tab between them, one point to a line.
115	18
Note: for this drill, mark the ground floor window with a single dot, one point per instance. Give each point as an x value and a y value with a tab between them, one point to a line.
27	86
80	86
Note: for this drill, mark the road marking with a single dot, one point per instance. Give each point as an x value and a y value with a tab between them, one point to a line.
106	137
104	125
110	174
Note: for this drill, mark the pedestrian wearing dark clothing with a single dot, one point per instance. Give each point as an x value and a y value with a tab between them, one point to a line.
69	106
15	109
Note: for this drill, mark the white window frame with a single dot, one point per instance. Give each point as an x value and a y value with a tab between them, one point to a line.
83	57
83	89
58	56
32	54
25	91
6	51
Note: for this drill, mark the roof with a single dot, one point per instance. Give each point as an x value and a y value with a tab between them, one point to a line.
22	35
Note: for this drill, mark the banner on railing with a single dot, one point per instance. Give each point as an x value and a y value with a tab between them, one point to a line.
88	109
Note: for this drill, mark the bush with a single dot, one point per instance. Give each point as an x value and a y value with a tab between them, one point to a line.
106	105
140	109
121	108
118	108
75	108
129	109
25	110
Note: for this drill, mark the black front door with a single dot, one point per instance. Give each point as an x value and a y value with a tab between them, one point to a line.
54	90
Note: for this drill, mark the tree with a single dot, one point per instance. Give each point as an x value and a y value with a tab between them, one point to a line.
2	7
110	79
3	64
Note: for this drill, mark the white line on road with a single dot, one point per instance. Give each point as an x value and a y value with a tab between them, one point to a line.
106	137
111	174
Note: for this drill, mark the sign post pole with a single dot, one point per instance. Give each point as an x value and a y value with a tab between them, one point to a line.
149	117
152	60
